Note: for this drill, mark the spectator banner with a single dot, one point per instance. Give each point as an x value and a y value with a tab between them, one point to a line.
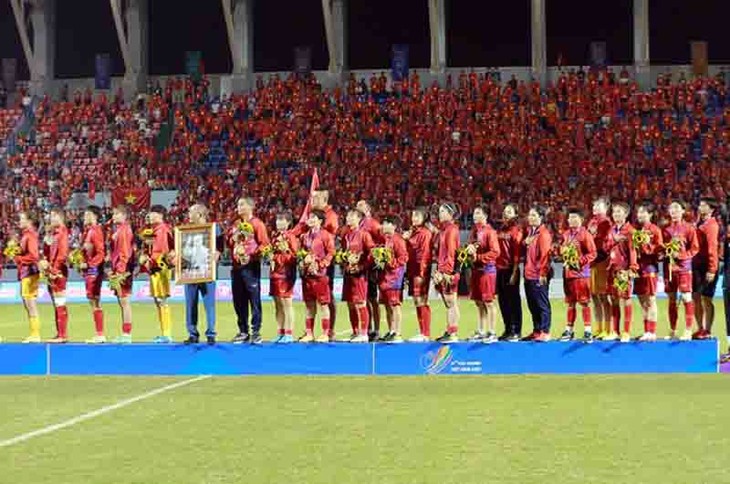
193	60
10	66
598	54
699	58
103	73
303	60
134	198
399	62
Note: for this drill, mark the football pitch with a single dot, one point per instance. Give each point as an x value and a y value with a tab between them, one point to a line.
461	429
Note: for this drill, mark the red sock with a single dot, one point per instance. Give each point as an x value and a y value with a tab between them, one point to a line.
651	326
364	320
689	315
309	325
587	317
99	321
628	316
427	321
127	328
452	329
287	332
62	321
281	331
325	325
353	311
646	325
673	315
615	318
571	316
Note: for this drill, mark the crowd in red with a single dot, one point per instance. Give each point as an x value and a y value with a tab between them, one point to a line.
474	140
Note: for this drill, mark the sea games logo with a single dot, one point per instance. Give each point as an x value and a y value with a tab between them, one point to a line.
442	361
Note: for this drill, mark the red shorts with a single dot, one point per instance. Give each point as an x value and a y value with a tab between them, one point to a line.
418	290
483	286
281	287
93	286
681	282
57	285
449	289
577	290
317	289
391	297
355	289
615	293
645	285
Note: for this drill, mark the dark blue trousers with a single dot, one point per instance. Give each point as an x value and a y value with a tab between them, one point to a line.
246	289
538	301
510	301
192	293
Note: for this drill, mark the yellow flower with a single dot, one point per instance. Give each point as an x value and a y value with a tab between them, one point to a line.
570	255
641	238
266	252
147	233
116	280
12	249
301	255
76	258
621	281
382	257
245	228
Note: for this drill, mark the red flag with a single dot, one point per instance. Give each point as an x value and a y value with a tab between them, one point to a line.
134	198
92	189
308	208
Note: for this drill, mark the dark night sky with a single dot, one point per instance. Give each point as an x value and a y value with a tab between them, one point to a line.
479	32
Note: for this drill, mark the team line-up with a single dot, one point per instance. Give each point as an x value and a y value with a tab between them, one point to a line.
605	260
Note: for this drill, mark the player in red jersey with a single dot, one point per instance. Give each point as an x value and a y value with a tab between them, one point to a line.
320	201
538	244
283	273
680	247
372	226
92	245
599	227
446	276
705	267
122	265
577	273
357	243
508	274
55	267
484	248
645	286
320	247
418	271
28	273
622	268
391	279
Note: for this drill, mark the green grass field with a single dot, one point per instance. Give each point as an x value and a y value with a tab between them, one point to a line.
13	326
521	430
441	430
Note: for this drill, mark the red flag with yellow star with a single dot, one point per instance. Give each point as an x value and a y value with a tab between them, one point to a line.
134	198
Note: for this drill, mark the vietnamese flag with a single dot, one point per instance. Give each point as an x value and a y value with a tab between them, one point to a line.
134	198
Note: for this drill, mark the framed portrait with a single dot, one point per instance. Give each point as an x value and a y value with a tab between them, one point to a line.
195	246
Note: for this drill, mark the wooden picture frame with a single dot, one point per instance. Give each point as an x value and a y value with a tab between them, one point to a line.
195	246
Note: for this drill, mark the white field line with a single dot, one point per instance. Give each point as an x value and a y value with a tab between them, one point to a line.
96	413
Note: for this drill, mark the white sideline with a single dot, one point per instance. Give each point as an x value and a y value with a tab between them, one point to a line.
95	413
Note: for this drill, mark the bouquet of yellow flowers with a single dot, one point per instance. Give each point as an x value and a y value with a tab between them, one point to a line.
239	252
640	238
163	261
116	280
465	256
621	281
76	258
302	254
570	255
281	245
245	229
12	249
266	251
348	260
381	257
672	250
